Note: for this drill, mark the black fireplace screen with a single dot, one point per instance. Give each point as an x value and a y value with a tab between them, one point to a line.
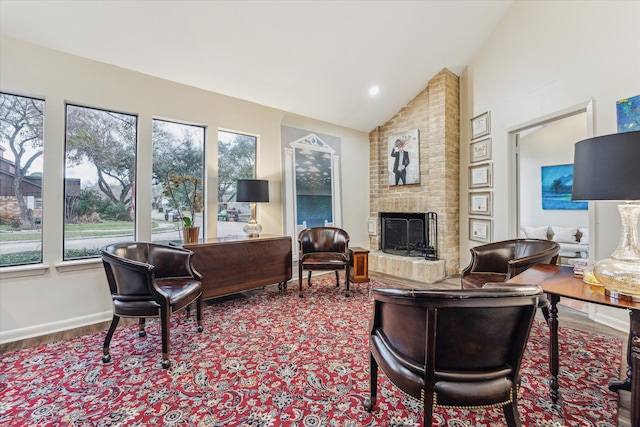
410	234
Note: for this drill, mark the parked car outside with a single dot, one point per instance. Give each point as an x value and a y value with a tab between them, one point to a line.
228	215
172	215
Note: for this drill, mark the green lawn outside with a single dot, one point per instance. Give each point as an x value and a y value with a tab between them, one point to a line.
83	230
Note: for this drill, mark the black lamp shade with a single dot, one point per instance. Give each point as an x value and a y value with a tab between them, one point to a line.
607	168
252	190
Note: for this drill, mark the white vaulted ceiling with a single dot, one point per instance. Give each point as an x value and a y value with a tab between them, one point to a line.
313	58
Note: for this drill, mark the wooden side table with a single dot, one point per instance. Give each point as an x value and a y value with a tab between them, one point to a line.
558	281
358	265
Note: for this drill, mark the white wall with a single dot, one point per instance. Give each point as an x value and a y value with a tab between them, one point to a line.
545	57
63	295
548	145
542	58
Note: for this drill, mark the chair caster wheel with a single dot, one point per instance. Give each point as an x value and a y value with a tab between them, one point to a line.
142	333
106	358
166	363
368	405
200	328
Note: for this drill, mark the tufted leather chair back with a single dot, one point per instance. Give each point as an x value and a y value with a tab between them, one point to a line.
453	348
323	248
323	239
500	261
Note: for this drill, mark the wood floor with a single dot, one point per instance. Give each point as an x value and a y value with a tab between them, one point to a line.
569	317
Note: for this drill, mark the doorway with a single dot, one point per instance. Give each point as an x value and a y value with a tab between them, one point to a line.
543	151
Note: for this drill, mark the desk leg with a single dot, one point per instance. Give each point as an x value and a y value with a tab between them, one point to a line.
553	348
615	385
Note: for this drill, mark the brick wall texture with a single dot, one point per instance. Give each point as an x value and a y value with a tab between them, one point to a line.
435	113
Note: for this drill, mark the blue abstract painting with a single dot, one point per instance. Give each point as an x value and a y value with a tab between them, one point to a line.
557	183
628	112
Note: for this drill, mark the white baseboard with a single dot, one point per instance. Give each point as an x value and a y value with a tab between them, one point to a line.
614	318
50	328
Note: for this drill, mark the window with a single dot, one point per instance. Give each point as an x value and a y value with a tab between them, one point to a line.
178	170
100	176
236	160
21	150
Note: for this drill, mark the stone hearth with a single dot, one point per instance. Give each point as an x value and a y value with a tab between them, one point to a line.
410	268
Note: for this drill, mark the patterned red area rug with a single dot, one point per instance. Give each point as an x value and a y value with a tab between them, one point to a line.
273	360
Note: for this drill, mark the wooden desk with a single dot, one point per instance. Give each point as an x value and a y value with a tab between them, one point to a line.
559	281
238	263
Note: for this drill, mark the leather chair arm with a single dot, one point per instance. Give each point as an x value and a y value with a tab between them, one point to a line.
172	262
518	265
488	259
497	291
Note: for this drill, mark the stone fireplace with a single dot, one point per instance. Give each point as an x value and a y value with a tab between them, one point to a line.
435	113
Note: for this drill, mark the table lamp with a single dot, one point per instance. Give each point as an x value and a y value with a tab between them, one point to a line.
608	168
252	191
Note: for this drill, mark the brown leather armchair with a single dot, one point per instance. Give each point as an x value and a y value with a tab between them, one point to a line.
150	280
453	348
323	248
500	261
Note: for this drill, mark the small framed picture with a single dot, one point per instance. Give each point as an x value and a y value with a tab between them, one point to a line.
480	229
480	203
480	175
480	150
480	125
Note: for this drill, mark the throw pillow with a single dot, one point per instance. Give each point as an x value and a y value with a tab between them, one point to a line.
536	232
584	240
564	234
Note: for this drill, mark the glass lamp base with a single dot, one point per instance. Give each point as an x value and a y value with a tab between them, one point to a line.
252	229
621	279
620	274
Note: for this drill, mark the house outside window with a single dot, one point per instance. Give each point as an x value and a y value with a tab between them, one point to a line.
21	150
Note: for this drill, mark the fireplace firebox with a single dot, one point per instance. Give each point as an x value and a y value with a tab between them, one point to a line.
410	234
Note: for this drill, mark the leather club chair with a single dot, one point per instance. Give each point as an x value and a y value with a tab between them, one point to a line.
500	261
453	348
150	280
323	248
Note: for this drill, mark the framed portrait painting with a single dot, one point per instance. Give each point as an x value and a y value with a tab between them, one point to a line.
404	159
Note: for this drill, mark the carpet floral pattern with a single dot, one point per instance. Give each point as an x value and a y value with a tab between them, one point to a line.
273	360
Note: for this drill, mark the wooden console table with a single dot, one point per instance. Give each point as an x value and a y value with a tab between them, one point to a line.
238	263
559	281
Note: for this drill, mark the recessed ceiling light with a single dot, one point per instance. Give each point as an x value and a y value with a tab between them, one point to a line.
374	90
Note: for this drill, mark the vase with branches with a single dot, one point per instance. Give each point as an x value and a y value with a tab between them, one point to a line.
185	192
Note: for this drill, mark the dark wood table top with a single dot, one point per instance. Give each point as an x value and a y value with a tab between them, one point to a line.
236	238
559	280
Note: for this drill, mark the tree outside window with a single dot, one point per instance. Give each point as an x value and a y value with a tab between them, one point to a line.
178	164
21	150
100	178
236	160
